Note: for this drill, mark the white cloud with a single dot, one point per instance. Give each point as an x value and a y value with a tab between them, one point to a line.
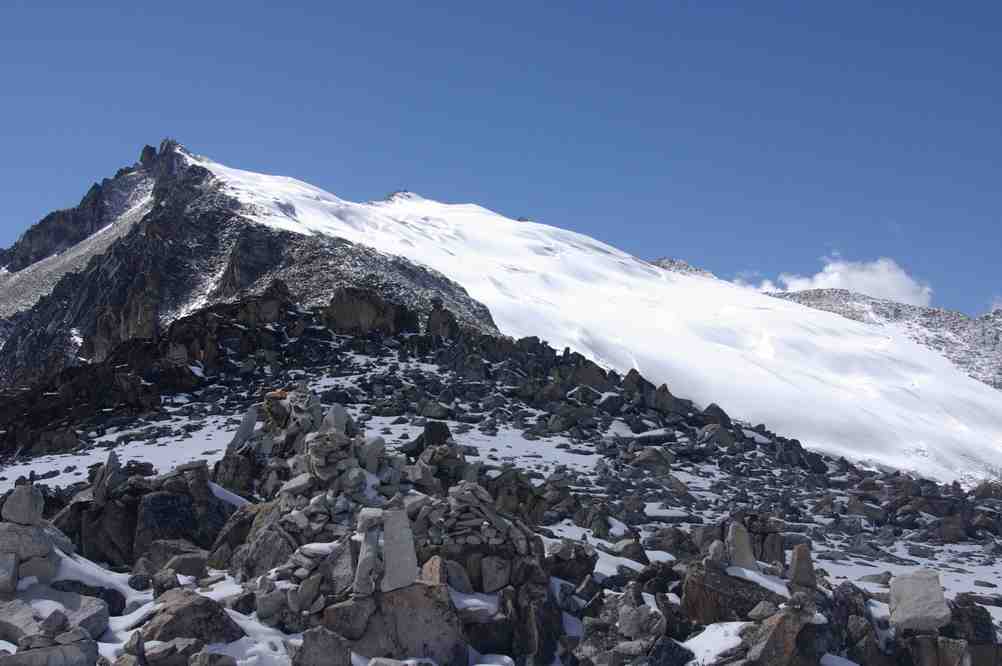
997	304
880	278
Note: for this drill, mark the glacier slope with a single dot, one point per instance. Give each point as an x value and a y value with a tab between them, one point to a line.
838	385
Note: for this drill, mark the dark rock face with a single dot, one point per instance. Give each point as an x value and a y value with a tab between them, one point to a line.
62	229
123	522
355	311
131	379
194	247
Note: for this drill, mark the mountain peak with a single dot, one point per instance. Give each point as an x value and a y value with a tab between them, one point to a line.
681	266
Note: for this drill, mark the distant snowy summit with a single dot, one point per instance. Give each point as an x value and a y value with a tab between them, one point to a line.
681	266
973	344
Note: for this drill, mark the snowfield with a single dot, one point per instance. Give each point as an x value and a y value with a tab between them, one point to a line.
838	385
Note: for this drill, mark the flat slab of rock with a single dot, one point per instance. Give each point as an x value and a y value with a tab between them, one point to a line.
917	601
82	653
399	556
739	547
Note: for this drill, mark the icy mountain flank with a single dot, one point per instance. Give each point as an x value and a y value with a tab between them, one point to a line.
840	385
973	344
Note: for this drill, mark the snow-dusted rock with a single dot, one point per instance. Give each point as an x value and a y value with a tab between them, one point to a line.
24	506
917	601
88	613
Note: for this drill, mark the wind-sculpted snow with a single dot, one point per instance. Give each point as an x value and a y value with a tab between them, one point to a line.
839	385
973	344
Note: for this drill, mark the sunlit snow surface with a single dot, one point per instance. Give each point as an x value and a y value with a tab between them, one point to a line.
837	385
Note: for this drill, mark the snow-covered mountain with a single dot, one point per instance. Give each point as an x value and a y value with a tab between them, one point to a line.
840	385
84	280
837	384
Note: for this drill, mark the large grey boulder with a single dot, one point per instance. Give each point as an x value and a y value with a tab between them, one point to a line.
88	613
917	602
32	547
322	647
635	618
417	620
775	641
739	547
185	614
24	506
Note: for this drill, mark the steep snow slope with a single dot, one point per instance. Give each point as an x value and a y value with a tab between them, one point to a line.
838	385
973	344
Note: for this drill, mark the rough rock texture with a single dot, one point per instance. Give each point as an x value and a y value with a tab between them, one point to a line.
129	513
917	602
415	620
710	595
184	614
322	647
24	506
88	613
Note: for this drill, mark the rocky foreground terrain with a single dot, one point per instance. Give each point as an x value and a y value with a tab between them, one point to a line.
363	482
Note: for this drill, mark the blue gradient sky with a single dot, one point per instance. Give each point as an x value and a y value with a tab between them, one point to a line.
752	140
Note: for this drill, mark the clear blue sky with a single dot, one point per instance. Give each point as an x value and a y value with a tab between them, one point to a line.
747	138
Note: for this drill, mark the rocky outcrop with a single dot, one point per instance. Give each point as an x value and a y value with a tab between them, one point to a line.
122	516
184	614
354	311
710	595
192	247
